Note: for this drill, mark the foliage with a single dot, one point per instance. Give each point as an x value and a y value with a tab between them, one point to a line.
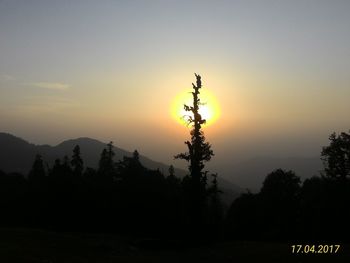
286	210
38	171
77	162
106	167
272	212
199	152
336	156
281	185
123	197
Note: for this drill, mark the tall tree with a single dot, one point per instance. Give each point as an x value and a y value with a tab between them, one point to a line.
199	152
37	172
106	164
66	168
280	201
171	171
336	156
131	168
77	162
216	212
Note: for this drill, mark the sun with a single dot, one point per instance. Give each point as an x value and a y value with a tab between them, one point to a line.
209	108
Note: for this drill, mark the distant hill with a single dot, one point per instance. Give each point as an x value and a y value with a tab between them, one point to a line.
251	173
17	155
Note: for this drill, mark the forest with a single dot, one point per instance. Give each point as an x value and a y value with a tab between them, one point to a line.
124	197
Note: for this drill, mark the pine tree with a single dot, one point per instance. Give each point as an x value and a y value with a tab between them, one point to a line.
199	152
130	167
215	206
66	168
56	169
136	156
106	163
37	173
171	171
110	154
77	162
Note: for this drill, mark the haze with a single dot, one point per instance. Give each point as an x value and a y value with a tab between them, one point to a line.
111	69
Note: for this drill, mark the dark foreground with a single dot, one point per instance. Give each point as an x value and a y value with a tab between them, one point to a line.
39	246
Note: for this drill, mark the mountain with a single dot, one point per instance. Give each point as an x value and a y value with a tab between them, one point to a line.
251	173
17	155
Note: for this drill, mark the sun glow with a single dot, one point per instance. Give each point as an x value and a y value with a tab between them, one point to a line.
209	108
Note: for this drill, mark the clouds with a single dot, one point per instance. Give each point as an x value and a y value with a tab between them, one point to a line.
28	97
50	85
55	85
6	77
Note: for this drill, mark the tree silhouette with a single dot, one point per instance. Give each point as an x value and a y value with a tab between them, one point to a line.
106	163
38	189
136	156
198	153
37	173
216	211
281	185
77	162
270	214
171	171
56	168
336	156
280	202
130	168
67	169
243	219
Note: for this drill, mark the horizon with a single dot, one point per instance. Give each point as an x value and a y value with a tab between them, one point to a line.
245	174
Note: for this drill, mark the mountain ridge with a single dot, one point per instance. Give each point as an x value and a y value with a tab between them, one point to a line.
17	155
93	148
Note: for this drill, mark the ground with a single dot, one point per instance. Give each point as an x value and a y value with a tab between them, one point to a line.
41	246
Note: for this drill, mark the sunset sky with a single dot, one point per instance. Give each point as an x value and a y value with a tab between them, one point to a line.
111	70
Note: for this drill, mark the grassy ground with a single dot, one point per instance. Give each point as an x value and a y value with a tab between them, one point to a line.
39	246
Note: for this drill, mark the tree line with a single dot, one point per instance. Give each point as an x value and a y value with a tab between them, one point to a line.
286	209
125	197
119	196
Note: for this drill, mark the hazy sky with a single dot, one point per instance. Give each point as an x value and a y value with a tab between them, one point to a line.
111	69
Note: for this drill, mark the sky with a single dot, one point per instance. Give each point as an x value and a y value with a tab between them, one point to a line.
110	70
